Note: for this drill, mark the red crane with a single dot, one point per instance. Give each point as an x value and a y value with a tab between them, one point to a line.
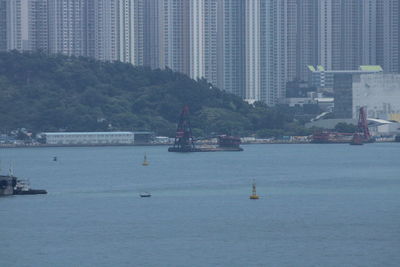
183	138
363	125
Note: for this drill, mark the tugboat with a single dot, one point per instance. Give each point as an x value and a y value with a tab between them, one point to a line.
11	185
254	193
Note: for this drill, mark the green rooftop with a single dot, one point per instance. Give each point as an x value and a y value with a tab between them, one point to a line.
371	68
310	67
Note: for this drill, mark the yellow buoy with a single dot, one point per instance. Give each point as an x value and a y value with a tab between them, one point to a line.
145	162
254	193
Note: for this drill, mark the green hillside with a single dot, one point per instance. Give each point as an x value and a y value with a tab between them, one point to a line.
53	93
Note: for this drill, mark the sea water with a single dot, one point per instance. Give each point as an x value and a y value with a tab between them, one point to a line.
320	205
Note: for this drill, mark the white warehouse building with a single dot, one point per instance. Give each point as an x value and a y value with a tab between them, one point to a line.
97	138
379	93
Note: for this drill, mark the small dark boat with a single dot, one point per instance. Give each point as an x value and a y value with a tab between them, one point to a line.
54	158
145	194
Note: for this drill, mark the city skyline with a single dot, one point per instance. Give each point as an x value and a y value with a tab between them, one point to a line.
249	48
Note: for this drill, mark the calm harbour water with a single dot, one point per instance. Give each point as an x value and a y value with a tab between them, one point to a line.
321	205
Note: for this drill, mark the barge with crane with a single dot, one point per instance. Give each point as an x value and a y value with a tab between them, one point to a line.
184	141
361	136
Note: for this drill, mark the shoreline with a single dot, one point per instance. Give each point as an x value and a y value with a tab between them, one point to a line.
115	145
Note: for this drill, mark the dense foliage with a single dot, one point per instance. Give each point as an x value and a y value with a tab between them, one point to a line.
53	93
343	127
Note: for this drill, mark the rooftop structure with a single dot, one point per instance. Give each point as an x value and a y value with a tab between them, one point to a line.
97	138
322	78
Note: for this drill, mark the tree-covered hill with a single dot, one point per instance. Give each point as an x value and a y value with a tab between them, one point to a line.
53	93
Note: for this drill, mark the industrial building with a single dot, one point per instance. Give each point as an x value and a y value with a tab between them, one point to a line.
98	138
380	127
379	93
340	82
321	78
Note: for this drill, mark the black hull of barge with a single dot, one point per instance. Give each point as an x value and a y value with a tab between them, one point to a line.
205	149
31	192
183	150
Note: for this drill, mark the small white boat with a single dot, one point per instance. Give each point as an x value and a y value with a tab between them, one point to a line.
145	194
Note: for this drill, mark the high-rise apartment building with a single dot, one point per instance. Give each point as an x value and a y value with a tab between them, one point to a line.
151	30
271	49
68	30
289	16
90	22
3	25
174	34
24	25
253	43
203	40
105	31
114	30
231	46
211	41
278	48
38	25
196	39
14	26
388	35
307	38
339	34
369	32
131	40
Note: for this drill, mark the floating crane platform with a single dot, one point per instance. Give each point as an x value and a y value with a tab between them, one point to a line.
361	136
184	141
